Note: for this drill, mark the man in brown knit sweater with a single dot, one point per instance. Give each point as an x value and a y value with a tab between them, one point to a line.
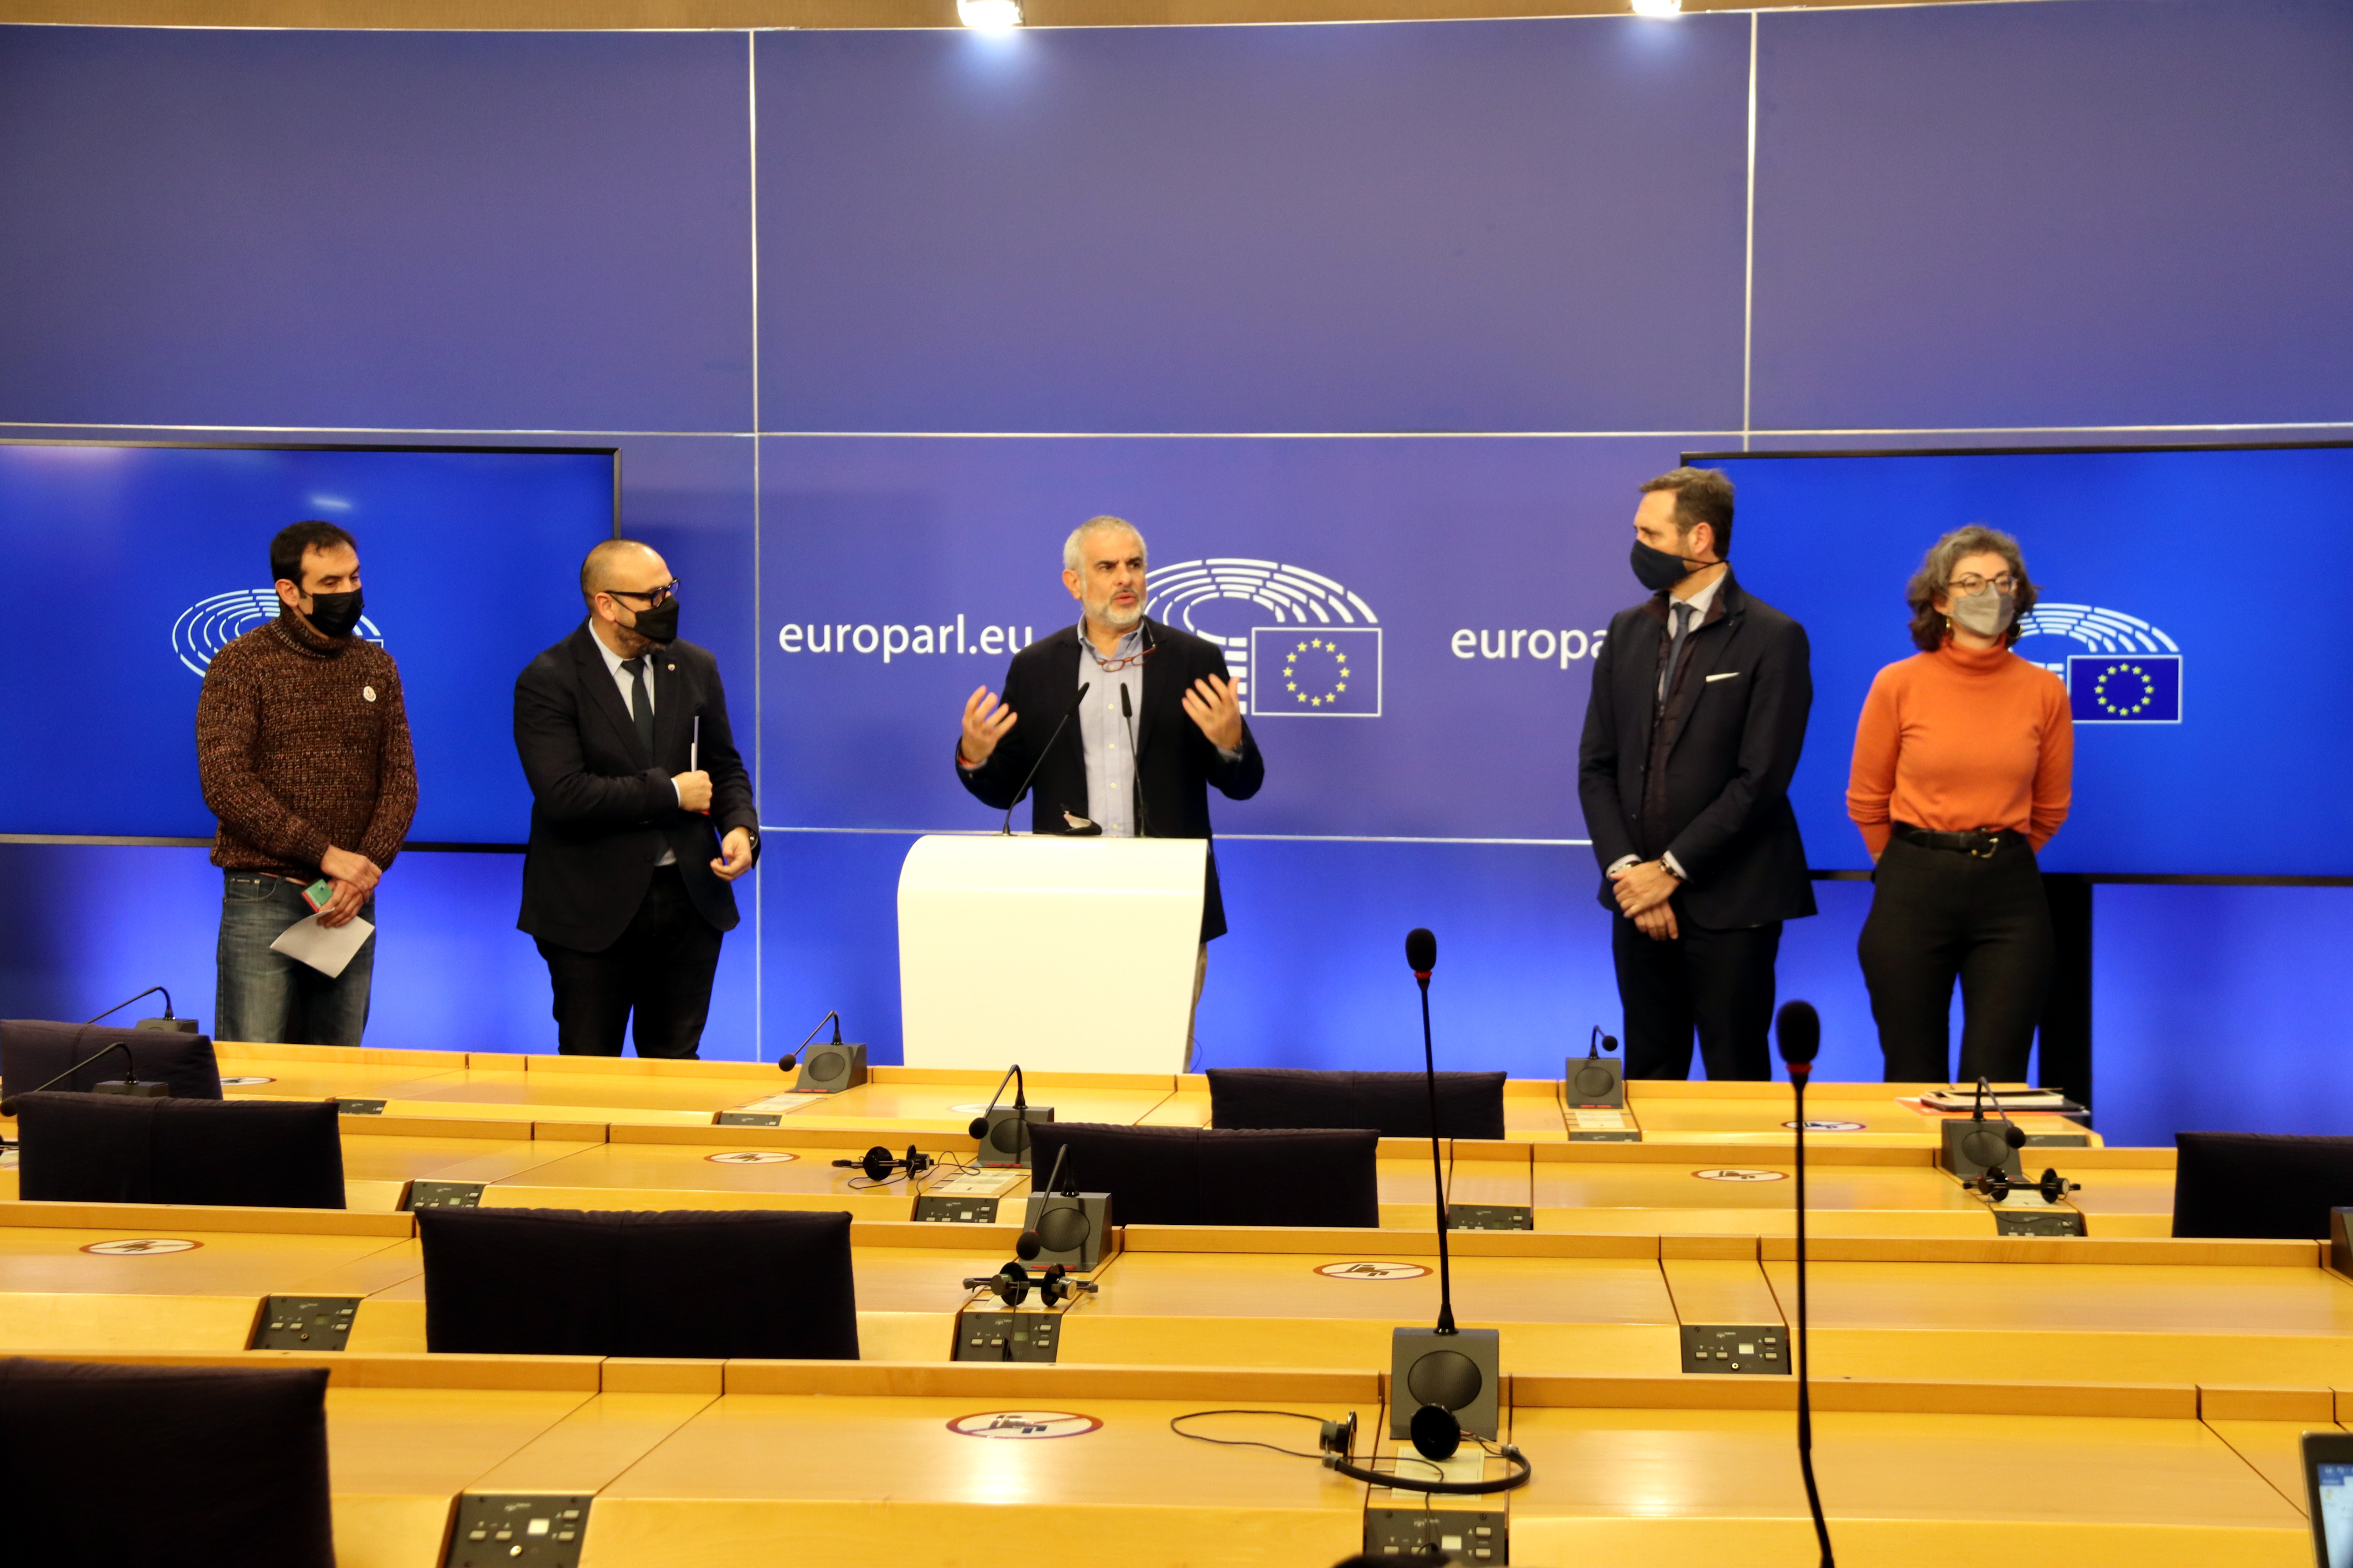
302	746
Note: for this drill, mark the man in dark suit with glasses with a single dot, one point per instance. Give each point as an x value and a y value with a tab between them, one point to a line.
641	814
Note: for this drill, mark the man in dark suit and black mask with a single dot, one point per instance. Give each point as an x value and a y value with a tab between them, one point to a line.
1700	696
1186	712
641	814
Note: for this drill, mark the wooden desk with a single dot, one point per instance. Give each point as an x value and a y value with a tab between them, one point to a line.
1668	1487
743	1174
2124	1323
1276	1308
378	1169
56	1296
757	1479
395	1457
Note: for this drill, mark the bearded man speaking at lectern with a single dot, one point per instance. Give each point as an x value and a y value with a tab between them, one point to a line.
1160	723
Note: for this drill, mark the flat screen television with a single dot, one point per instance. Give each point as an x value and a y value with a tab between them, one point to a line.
2187	603
132	563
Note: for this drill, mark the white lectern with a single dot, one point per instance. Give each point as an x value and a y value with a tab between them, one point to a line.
1064	954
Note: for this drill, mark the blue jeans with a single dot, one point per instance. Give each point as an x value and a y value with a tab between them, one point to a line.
268	998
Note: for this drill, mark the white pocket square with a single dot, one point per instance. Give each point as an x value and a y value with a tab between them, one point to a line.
1727	675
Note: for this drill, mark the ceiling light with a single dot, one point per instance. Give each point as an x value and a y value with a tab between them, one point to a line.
990	16
1658	7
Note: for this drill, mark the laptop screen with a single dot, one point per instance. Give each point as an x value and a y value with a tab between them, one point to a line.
2333	1522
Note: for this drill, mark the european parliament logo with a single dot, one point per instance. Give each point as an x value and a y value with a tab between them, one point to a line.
1298	644
210	625
2132	677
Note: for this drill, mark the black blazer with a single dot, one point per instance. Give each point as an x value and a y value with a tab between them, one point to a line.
602	809
1175	763
1734	726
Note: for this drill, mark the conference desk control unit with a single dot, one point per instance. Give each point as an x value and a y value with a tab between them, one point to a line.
517	1530
305	1323
424	1194
1745	1348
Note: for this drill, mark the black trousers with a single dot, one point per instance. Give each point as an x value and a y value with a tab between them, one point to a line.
1940	914
1718	983
660	967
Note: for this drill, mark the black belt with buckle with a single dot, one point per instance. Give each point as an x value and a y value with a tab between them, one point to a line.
1982	843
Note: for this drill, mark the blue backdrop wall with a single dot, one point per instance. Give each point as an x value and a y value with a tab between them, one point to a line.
874	317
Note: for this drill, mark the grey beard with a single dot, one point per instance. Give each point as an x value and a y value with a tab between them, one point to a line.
1112	618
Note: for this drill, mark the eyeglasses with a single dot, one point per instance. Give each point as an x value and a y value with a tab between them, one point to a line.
1114	666
655	598
1974	584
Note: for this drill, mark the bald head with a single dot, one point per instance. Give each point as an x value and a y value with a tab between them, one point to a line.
623	565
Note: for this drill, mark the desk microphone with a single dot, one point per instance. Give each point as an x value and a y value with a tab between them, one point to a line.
990	1126
792	1059
1006	831
1798	1031
175	1025
1135	768
1446	1374
129	1083
1029	1244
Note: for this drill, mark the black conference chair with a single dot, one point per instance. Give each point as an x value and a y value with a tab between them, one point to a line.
157	1467
1395	1104
34	1051
1195	1176
733	1283
107	1148
2259	1185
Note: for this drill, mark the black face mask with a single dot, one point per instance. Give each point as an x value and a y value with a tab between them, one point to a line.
660	623
334	615
1656	570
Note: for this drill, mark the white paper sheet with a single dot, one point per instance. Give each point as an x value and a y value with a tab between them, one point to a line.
328	951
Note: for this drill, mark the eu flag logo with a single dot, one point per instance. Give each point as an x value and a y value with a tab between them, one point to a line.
2124	689
1316	672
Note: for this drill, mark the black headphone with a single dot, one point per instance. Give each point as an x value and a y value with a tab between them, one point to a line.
880	1166
1011	1285
1436	1436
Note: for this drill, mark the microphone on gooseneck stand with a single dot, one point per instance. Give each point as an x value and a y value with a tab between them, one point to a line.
1448	1377
128	1083
792	1059
1798	1031
1135	770
168	1021
1076	698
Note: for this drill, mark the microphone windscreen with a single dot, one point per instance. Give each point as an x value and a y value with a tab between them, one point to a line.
978	1128
2014	1135
787	1062
1798	1032
1421	950
1026	1246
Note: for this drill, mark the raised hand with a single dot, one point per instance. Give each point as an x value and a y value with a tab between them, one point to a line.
985	721
1211	704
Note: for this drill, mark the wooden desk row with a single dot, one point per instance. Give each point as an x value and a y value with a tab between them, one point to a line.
2123	1311
746	1464
901	1102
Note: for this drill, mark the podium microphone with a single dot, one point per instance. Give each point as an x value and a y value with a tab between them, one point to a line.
1143	812
1450	1377
1006	831
1798	1032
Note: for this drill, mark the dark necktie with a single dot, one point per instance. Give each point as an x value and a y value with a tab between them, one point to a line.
1682	614
641	700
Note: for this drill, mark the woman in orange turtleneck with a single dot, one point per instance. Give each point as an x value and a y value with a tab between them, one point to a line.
1962	768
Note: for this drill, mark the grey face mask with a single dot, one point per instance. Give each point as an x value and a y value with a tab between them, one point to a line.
1986	612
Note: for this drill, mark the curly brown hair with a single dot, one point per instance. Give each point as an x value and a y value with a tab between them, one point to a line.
1929	628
